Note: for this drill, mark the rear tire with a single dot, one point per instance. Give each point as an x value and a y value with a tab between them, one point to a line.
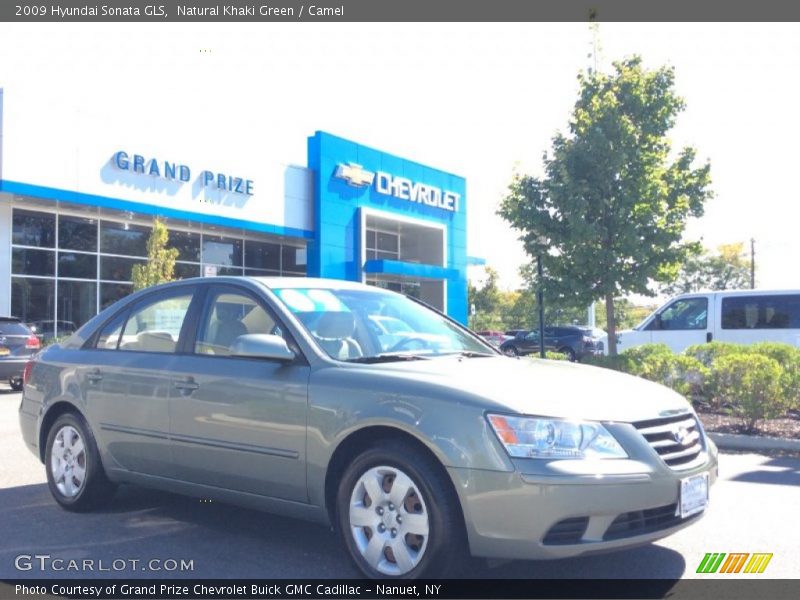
75	474
569	353
511	351
398	515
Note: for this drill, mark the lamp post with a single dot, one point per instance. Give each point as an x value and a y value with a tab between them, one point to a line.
541	241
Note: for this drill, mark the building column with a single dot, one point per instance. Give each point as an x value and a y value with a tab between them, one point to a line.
5	254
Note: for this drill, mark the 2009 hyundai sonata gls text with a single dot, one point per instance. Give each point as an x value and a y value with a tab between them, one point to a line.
418	443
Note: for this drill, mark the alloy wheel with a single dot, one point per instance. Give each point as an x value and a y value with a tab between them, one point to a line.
68	461
389	520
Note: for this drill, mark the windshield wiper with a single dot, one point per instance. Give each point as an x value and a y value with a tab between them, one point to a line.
387	357
469	354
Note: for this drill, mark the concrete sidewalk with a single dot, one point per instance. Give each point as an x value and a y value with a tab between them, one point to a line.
734	441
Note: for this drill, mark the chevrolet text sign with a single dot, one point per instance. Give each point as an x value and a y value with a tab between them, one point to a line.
398	187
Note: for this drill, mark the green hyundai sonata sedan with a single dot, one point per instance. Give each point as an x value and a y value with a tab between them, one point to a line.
364	409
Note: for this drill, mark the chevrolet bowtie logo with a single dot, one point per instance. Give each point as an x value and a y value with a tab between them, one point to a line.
355	175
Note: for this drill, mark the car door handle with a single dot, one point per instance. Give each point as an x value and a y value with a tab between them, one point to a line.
186	385
94	376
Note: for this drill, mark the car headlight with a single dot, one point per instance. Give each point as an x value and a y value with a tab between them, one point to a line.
534	437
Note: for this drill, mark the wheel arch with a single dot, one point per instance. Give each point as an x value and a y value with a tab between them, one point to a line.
362	439
53	412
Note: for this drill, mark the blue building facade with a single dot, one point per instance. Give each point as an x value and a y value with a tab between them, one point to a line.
388	221
71	234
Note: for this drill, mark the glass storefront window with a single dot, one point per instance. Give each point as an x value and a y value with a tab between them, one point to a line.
222	251
111	292
294	259
33	229
80	266
236	271
388	242
262	255
115	268
187	244
33	262
77	303
186	270
32	299
261	273
65	248
77	233
382	245
123	238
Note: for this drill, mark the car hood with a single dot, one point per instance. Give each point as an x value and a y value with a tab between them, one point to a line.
549	388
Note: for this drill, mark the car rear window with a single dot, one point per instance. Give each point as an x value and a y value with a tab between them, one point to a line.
9	327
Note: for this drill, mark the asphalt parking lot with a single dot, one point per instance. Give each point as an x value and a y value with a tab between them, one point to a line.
753	509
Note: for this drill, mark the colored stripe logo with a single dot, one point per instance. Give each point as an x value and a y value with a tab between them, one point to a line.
736	562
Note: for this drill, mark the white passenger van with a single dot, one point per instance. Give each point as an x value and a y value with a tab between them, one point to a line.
740	316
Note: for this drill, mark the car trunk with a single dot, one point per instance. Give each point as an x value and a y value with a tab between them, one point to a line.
14	338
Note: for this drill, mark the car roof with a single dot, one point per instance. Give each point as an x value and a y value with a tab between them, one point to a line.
274	282
11	319
754	292
312	282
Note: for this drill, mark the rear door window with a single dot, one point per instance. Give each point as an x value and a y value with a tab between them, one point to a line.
153	324
761	312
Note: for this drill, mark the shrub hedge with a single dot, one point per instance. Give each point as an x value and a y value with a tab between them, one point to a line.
754	382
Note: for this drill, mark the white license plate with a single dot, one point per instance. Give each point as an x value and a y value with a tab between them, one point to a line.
694	494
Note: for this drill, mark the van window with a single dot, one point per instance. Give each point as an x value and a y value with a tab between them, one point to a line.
761	312
681	315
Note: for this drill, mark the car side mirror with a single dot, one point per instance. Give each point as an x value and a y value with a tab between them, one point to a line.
262	345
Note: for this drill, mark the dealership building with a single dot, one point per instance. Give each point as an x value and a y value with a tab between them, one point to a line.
77	206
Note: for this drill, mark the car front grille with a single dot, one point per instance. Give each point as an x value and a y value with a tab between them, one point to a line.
640	522
678	440
568	531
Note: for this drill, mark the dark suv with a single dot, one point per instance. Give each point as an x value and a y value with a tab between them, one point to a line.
573	341
17	344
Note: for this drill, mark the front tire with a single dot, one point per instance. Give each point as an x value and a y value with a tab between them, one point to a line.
75	475
569	353
15	383
398	514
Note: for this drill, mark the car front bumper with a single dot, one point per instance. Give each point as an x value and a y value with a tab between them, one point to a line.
517	515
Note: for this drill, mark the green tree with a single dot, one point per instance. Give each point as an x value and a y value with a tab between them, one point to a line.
486	299
626	314
160	265
727	269
609	214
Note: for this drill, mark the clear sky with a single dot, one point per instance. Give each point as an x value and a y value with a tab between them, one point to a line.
476	99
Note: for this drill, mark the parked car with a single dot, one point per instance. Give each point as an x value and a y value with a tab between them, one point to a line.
17	344
597	335
46	330
571	340
515	332
740	316
276	394
495	338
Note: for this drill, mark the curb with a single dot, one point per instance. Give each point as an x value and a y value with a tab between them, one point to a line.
733	441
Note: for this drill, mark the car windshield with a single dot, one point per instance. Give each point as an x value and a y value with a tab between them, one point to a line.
365	325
